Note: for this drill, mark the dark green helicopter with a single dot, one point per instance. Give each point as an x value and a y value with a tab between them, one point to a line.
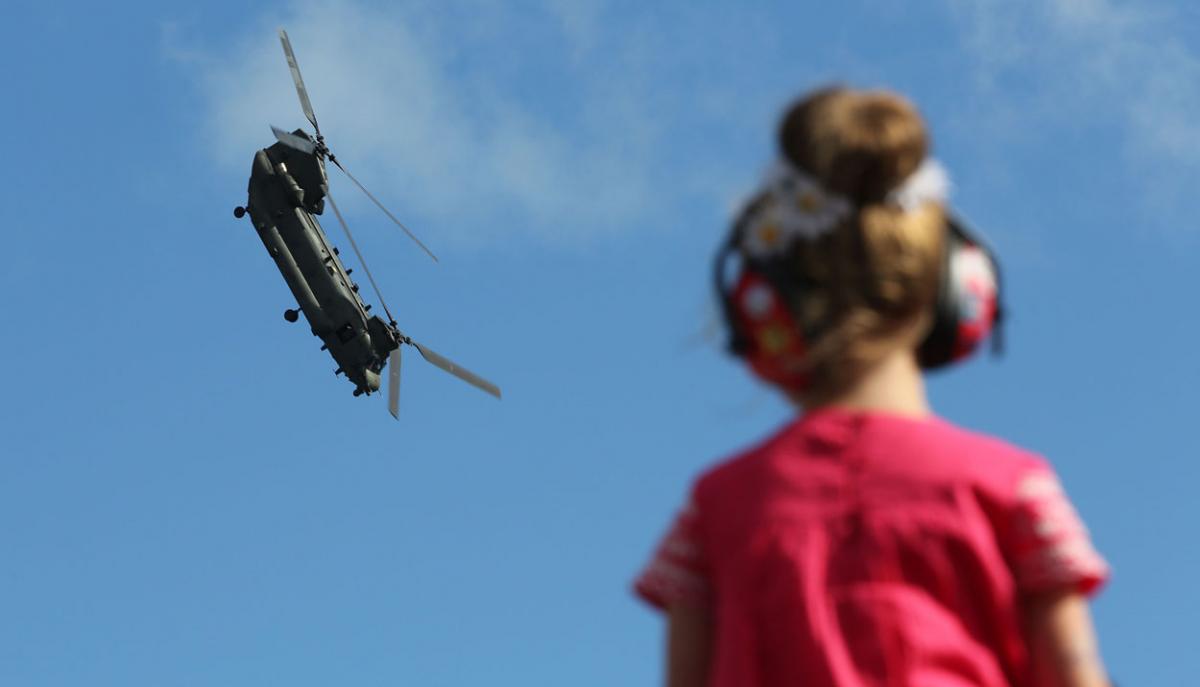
288	188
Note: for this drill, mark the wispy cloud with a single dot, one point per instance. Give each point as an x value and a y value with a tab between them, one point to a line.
1128	66
571	120
488	121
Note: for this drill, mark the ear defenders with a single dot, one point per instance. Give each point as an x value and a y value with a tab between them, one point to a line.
762	316
969	304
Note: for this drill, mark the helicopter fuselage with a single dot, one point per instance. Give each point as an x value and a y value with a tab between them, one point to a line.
287	190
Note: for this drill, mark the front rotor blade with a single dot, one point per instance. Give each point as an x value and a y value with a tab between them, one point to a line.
362	261
385	210
303	92
394	384
458	371
293	141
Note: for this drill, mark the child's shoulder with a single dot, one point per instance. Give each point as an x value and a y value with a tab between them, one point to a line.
983	457
750	458
933	445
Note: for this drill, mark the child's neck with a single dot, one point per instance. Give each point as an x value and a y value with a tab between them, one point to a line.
894	386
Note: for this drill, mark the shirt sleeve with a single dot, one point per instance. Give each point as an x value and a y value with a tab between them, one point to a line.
677	571
1049	547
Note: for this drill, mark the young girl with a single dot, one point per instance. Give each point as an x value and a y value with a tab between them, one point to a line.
869	542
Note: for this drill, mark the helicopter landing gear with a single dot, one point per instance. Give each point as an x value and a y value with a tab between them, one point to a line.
291	315
239	212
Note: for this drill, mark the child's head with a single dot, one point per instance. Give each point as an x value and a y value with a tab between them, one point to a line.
849	231
874	277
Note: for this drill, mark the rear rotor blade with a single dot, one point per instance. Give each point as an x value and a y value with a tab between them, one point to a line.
394	383
385	210
303	92
456	370
293	141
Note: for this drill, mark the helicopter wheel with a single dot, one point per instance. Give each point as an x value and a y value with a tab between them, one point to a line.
291	315
239	212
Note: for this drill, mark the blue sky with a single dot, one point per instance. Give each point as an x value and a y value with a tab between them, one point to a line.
193	498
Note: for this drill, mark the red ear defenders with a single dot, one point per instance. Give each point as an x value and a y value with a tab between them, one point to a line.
761	314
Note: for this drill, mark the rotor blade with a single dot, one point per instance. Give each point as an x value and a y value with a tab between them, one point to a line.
303	92
385	210
456	370
394	383
361	261
293	141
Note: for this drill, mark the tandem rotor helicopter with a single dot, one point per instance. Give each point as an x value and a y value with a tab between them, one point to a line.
288	188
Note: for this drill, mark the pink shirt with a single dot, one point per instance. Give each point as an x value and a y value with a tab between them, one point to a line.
856	549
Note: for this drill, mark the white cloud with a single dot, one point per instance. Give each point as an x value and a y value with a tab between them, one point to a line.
563	120
464	138
1050	63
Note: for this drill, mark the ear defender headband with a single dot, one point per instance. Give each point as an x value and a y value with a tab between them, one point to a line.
761	305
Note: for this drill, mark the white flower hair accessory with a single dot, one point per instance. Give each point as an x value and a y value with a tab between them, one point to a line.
796	206
928	184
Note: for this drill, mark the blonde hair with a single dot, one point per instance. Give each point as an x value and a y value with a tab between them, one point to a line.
870	285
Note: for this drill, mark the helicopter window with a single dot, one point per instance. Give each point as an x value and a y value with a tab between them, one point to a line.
345	333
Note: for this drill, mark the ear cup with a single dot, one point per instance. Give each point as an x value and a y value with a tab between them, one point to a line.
773	342
759	317
968	302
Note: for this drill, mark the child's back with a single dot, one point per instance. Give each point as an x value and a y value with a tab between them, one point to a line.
858	548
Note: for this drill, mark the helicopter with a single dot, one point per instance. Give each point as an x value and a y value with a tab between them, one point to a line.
288	188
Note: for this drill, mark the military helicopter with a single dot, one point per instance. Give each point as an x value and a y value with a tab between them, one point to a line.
287	190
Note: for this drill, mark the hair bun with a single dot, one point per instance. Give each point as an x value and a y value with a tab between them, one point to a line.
859	144
867	285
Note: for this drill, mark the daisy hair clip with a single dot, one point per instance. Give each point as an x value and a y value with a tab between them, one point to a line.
795	205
